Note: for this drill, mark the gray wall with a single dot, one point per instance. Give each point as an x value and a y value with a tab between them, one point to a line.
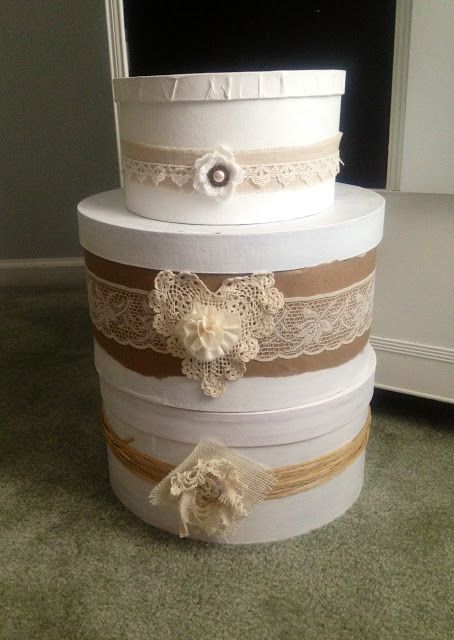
57	140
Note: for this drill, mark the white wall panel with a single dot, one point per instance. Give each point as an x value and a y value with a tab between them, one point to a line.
428	142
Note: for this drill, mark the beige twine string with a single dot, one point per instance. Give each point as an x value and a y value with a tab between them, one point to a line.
290	479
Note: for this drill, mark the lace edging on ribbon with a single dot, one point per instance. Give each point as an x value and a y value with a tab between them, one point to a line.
304	325
269	169
285	175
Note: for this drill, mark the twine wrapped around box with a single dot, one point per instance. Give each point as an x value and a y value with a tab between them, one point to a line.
256	481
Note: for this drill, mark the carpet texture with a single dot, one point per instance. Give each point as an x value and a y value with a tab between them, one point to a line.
74	564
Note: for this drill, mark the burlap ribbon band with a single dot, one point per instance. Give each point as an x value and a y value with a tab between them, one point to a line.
325	321
259	169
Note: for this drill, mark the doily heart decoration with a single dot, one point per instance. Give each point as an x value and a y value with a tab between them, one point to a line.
215	333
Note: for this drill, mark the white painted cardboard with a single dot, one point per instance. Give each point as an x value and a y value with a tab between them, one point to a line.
351	226
271	520
308	423
244	395
245	208
238	125
252	110
228	86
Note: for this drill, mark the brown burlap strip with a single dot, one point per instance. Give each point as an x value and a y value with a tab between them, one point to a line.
290	479
310	281
162	365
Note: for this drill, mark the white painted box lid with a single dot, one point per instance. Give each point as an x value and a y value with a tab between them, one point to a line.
243	85
350	227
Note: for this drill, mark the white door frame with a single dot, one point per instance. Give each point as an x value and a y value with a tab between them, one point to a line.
118	56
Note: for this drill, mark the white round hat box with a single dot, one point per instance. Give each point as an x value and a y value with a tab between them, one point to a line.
271	139
124	252
273	438
274	419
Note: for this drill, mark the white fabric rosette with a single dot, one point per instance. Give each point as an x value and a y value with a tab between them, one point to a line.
213	490
217	174
208	333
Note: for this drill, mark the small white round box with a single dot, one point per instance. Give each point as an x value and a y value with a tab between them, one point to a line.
240	111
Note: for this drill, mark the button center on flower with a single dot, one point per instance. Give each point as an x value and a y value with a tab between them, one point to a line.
219	175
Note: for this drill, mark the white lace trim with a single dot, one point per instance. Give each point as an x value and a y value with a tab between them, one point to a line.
303	326
286	175
123	314
324	322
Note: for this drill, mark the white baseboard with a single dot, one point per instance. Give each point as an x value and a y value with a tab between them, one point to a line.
48	272
415	369
403	347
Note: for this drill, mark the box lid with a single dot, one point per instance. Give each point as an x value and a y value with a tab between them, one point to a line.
247	85
352	226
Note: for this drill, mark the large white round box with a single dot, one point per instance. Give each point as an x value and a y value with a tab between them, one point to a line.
348	231
274	112
352	226
274	438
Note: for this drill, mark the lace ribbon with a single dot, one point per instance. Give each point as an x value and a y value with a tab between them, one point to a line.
303	326
264	169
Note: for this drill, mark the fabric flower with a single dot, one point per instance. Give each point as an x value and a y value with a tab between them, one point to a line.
208	333
217	174
213	490
214	332
209	496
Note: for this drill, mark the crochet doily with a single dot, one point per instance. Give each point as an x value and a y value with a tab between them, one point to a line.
253	299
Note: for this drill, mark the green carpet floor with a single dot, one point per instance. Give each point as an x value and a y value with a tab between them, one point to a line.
74	564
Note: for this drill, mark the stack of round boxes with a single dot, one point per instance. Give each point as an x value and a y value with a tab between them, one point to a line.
308	391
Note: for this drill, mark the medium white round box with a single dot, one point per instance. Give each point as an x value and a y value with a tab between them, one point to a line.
272	438
280	129
350	228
